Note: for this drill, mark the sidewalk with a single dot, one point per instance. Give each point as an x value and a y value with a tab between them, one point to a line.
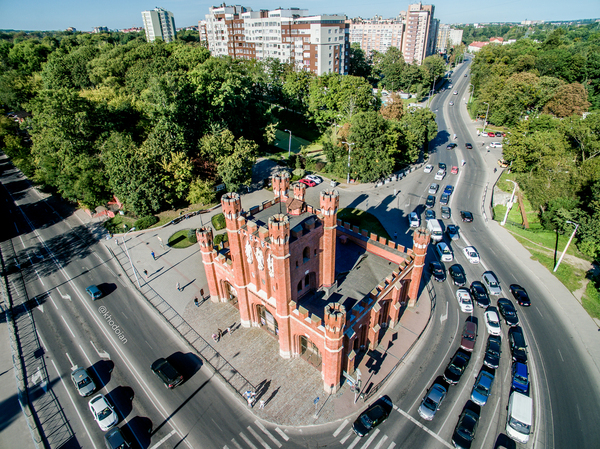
289	387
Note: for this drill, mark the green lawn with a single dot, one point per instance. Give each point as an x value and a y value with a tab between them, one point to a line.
591	298
363	220
119	224
180	240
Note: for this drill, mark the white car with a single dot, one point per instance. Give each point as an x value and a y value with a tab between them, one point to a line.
104	413
492	322
440	175
444	252
314	178
471	254
451	103
428	168
433	188
455	92
464	300
496	145
413	220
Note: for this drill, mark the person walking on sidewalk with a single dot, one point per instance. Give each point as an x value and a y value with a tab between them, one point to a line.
146	273
178	286
262	404
153	255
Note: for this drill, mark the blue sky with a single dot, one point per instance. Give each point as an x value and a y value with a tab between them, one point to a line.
86	14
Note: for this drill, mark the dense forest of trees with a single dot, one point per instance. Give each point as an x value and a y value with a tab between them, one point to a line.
158	125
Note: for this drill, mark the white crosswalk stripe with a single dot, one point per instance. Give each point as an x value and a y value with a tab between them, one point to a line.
248	442
235	443
339	429
385	437
348	435
257	436
355	442
370	440
391	446
282	434
267	433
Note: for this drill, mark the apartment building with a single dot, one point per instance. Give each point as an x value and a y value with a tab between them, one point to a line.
420	33
377	34
447	37
316	43
159	24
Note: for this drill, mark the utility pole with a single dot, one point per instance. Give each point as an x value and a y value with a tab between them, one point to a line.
566	247
349	150
289	143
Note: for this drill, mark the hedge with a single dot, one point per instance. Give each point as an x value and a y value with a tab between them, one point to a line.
145	222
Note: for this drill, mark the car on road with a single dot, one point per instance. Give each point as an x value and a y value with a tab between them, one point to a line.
520	294
499	134
429	214
469	336
479	294
455	92
491	134
114	439
372	416
444	199
440	175
464	300
82	381
518	347
452	231
94	292
465	73
446	211
413	220
442	166
103	412
492	321
457	273
471	254
464	432
493	349
430	201
482	388
437	271
508	312
449	189
428	168
491	282
454	170
432	401
468	146
167	373
451	103
520	378
433	188
451	146
456	367
314	178
466	216
307	182
495	145
444	252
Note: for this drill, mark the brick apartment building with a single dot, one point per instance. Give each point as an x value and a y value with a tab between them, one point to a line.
327	291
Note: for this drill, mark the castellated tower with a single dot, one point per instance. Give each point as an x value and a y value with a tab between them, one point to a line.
330	200
279	235
421	239
299	191
232	209
281	185
335	321
205	241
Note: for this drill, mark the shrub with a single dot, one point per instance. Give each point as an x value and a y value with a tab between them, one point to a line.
220	238
218	221
145	222
191	236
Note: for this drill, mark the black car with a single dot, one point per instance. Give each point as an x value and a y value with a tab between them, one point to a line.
430	202
429	214
468	146
457	366
499	134
508	312
167	373
441	166
373	416
451	146
464	432
480	294
437	271
458	275
115	440
466	216
518	347
491	359
520	295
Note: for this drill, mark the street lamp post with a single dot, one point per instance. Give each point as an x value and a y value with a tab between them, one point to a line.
289	143
349	150
129	257
566	247
486	114
510	203
471	96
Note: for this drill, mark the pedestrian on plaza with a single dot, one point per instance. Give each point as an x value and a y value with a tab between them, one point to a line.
214	337
196	303
117	241
153	255
178	286
228	330
146	273
262	404
219	333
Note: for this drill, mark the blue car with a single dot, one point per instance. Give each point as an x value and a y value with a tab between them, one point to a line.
482	388
520	378
449	189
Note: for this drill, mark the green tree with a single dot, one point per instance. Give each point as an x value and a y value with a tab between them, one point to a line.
358	64
201	192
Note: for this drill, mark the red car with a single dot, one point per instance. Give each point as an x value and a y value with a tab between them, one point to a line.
454	170
469	336
491	134
308	182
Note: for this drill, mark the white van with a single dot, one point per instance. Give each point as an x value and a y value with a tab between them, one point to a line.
520	417
444	252
435	230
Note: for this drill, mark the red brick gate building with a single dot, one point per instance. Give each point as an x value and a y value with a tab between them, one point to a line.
327	291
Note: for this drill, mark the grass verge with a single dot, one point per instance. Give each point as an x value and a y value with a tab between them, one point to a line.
591	298
363	220
119	224
179	240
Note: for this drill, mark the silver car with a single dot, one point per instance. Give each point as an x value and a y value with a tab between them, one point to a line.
491	283
83	382
433	188
432	402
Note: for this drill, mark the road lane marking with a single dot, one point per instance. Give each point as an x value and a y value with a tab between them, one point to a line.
165	438
430	432
348	435
71	361
236	443
560	354
267	433
257	436
282	433
355	442
391	446
65	321
39	277
248	442
104	355
444	317
339	429
370	440
385	437
64	296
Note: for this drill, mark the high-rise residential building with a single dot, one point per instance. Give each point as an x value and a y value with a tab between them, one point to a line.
377	34
447	37
420	33
316	43
159	24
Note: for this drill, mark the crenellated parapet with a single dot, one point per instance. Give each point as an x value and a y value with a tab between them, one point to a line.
279	229
281	184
